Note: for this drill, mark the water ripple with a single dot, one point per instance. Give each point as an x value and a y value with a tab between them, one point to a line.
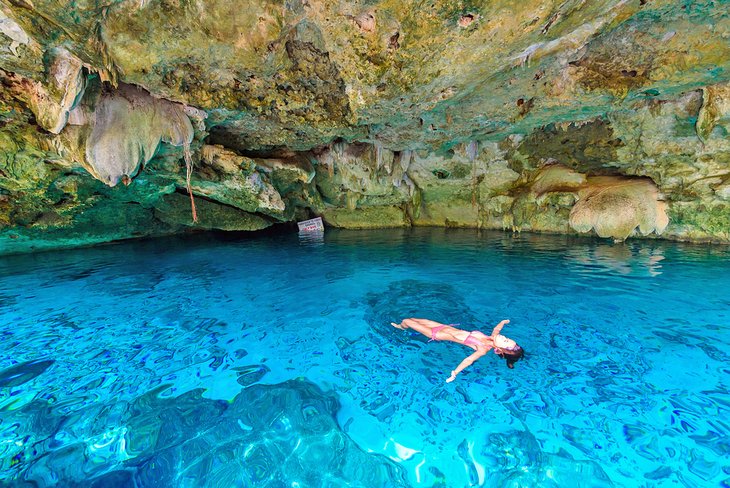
152	363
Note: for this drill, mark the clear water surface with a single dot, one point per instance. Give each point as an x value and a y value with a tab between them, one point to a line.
211	361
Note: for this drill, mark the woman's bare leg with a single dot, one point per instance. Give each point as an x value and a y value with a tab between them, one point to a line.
423	326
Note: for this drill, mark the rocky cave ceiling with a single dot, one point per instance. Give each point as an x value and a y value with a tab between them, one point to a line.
606	116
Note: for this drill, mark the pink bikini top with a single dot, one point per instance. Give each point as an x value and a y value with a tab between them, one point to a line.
472	341
469	341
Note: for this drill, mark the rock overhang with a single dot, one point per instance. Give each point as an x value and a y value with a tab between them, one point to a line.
610	88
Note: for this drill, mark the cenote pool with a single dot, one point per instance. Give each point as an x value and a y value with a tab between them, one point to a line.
270	361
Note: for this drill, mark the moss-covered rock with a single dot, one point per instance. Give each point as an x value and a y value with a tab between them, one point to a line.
174	209
366	217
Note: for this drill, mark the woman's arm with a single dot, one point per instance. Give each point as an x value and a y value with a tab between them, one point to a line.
468	361
498	329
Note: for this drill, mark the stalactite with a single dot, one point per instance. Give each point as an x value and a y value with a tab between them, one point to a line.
411	185
52	103
338	148
378	154
405	159
351	200
715	103
128	125
188	174
472	150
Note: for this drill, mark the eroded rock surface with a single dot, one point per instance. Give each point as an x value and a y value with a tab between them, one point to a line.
394	113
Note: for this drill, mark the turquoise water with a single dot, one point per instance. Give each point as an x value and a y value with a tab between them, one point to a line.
213	361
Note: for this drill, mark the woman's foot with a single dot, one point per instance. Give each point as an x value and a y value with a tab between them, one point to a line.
398	326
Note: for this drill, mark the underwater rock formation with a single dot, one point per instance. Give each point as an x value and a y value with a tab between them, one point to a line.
268	435
390	114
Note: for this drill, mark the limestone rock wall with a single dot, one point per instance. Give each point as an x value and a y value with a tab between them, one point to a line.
608	117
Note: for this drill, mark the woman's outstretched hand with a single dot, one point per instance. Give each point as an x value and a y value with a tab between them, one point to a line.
451	378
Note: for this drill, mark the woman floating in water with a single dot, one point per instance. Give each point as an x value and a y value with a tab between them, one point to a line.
481	343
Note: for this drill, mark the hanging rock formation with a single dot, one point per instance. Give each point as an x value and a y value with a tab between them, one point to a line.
127	125
617	206
67	83
398	113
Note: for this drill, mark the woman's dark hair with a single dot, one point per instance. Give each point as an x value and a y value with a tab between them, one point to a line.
512	356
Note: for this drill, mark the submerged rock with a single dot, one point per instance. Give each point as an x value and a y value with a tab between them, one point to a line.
23	373
268	435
